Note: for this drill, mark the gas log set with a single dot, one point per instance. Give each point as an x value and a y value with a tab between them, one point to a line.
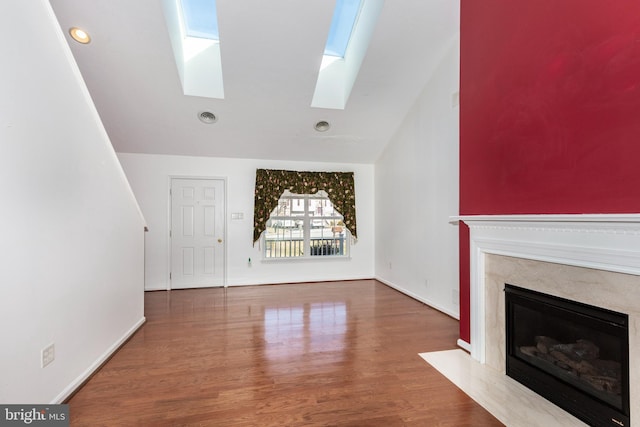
580	360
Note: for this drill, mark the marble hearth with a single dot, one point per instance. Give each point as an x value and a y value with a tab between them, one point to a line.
594	259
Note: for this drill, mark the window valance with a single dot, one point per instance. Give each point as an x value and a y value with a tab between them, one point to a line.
271	183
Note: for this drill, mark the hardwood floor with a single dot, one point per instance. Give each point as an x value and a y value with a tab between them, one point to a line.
313	354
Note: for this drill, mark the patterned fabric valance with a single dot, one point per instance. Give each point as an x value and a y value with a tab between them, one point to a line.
270	184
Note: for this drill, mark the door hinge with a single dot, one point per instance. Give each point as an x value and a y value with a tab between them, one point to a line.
169	233
169	276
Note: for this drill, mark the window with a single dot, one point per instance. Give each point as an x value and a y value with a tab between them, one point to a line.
200	19
272	183
344	19
351	30
194	33
305	226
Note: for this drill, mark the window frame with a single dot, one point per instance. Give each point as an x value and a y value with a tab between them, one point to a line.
306	220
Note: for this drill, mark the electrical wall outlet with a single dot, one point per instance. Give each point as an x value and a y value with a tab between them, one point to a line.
48	354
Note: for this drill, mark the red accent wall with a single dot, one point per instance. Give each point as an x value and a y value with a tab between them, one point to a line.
549	111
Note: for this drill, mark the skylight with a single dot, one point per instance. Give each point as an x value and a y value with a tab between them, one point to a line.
193	30
200	19
350	32
344	19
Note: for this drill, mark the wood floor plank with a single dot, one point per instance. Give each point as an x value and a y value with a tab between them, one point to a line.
311	354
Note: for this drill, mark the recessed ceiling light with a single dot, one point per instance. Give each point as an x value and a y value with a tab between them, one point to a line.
81	36
207	117
322	126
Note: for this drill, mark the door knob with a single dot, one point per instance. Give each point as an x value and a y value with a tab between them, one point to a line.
219	240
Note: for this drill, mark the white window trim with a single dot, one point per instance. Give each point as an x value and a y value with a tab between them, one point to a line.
306	218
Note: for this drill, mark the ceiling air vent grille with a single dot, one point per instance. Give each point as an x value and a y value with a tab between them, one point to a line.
207	117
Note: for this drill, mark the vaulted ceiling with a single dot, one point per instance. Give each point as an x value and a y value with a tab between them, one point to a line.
271	53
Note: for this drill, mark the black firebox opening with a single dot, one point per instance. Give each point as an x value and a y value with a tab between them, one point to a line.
573	354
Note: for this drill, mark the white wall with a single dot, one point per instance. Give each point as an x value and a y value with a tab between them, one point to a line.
416	190
72	241
149	176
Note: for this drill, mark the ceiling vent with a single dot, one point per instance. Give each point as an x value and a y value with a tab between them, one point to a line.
207	117
322	126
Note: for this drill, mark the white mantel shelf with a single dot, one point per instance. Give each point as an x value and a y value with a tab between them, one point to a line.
609	242
624	218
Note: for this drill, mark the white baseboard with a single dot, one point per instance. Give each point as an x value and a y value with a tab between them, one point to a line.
419	298
251	282
464	345
267	282
154	288
95	365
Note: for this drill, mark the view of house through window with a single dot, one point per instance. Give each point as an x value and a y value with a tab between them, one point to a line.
304	226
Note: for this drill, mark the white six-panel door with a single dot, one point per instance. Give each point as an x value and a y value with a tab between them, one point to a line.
197	233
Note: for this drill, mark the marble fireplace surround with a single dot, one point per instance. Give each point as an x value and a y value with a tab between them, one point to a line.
594	259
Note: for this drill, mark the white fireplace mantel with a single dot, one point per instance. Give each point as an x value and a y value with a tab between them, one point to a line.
609	242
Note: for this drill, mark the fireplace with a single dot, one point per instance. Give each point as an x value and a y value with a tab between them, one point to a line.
575	355
590	259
